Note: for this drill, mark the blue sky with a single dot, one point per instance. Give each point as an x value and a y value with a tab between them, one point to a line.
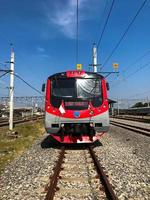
43	35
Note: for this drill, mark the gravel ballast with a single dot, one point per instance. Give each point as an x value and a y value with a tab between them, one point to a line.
27	176
134	123
123	154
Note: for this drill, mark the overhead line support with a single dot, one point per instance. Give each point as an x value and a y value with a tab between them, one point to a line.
11	90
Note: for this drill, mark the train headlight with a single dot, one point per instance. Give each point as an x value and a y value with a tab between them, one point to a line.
104	106
91	112
91	124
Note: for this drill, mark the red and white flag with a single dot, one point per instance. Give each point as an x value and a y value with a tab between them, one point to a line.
62	108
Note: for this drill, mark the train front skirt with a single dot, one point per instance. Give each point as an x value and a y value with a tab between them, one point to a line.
77	139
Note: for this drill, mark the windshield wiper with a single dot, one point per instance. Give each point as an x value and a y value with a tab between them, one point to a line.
96	82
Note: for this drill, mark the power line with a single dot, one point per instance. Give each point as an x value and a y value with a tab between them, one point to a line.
77	32
139	69
124	34
102	33
9	71
139	94
137	60
4	74
132	64
100	22
27	84
1	63
4	65
102	16
4	88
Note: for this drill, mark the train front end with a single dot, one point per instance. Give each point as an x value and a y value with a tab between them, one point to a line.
76	108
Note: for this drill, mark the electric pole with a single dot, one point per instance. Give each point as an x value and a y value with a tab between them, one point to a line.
94	58
11	89
118	106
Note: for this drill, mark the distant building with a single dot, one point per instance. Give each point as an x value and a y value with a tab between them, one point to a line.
111	106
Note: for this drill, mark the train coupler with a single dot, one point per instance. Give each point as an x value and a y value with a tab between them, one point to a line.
62	134
91	133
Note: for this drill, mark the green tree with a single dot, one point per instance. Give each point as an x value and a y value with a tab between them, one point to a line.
138	104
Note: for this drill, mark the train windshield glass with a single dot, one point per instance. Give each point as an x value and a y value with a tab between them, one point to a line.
76	88
88	88
63	88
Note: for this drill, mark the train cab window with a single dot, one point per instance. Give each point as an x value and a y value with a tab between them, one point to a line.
63	88
88	88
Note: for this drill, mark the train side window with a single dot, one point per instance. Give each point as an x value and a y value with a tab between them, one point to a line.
43	87
107	86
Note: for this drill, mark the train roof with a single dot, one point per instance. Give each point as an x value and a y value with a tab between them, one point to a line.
76	74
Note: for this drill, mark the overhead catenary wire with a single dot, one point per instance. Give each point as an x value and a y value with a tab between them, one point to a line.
28	84
139	94
133	63
1	63
137	70
4	66
77	31
4	74
102	16
124	34
4	88
19	77
94	43
104	27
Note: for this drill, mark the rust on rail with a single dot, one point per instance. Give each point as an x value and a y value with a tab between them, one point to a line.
54	179
108	188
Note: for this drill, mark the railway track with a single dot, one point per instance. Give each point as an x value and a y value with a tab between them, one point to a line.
5	122
145	119
131	127
78	175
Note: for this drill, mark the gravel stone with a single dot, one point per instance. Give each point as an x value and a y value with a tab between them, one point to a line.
135	123
26	177
126	159
123	154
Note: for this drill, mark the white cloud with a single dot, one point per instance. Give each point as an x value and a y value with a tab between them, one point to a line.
40	49
63	15
45	56
42	52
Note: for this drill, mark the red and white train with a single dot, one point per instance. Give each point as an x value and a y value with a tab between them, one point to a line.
76	106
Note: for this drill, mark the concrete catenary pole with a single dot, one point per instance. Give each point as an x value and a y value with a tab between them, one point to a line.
148	103
94	58
11	90
118	102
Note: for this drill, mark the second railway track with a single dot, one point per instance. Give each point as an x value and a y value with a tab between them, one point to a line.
78	175
4	122
132	127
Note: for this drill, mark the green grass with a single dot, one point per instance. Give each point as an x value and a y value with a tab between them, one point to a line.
13	145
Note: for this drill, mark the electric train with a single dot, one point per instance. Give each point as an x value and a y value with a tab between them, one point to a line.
76	106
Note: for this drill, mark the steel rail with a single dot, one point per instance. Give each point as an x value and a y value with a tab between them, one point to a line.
54	179
137	119
108	188
140	130
52	188
6	123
